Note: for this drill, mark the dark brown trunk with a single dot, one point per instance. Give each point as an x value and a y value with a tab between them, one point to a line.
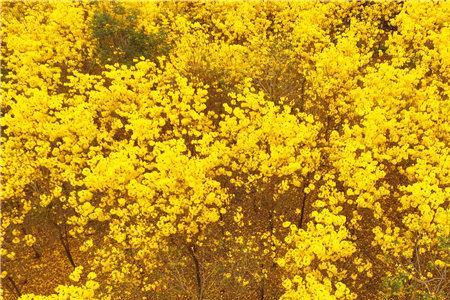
198	274
37	254
302	213
65	243
262	290
14	286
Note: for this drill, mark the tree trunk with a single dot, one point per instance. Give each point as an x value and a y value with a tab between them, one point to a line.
14	286
65	243
198	274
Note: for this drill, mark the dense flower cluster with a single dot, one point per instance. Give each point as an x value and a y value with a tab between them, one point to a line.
225	150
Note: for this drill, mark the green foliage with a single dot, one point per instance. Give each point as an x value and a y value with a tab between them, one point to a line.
120	41
444	243
394	286
401	287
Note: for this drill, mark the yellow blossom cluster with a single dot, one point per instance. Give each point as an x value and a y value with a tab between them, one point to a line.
225	149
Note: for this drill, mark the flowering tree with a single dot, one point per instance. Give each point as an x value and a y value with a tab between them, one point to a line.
225	150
